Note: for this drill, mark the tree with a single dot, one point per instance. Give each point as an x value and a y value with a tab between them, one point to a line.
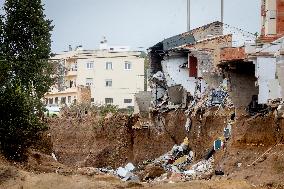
25	36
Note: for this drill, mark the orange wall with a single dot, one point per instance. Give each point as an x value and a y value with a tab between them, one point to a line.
280	17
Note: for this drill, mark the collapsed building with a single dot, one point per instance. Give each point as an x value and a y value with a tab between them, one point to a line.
256	73
184	68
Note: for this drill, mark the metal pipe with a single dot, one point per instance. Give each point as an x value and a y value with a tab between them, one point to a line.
188	15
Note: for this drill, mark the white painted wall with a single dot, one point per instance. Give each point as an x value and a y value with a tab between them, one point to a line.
239	38
176	75
125	82
269	87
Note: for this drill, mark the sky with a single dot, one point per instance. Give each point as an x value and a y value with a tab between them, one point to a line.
139	23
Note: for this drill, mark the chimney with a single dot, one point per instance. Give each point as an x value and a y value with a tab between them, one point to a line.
103	44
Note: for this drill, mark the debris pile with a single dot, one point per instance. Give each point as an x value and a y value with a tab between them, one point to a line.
177	165
126	173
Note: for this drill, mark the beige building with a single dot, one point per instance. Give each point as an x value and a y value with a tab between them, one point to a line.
113	74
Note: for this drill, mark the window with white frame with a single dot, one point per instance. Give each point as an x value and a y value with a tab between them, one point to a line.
90	65
127	65
89	81
127	101
108	82
108	100
108	65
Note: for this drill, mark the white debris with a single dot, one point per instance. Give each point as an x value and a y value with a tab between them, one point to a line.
124	173
188	124
189	172
159	75
129	167
175	169
53	156
204	167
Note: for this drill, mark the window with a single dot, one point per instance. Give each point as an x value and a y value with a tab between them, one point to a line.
108	83
50	101
108	65
127	101
92	100
63	100
69	99
90	65
89	81
56	100
127	65
108	100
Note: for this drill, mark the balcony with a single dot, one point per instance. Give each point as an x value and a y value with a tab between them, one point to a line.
66	90
71	72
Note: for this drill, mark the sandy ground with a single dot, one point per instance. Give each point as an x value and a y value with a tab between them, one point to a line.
27	180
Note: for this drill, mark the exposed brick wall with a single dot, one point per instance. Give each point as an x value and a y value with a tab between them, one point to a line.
232	54
214	46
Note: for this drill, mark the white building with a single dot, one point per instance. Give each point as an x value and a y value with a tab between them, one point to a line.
114	75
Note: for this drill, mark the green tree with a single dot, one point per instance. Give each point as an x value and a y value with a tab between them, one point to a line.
25	74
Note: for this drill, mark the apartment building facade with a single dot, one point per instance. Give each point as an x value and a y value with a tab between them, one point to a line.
112	74
272	13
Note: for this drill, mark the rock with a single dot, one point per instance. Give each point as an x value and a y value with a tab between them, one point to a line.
152	172
239	164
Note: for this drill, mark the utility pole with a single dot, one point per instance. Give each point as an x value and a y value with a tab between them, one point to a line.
222	11
188	15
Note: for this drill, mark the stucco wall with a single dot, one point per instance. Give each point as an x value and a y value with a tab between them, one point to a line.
176	75
265	72
142	102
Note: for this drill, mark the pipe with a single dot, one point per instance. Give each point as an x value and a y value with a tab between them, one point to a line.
188	15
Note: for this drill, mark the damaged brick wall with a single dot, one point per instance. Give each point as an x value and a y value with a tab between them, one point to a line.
241	83
214	46
212	29
233	53
155	58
